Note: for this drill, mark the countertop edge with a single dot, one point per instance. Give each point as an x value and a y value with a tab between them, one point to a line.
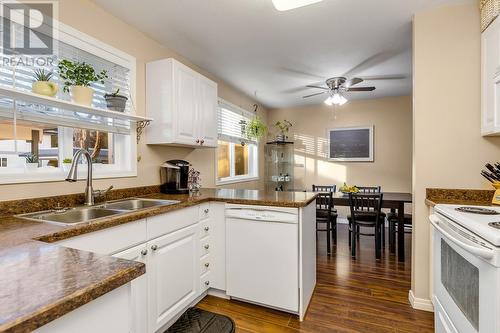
73	301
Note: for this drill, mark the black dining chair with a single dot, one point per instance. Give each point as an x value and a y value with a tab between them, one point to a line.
392	217
334	215
365	212
324	215
369	190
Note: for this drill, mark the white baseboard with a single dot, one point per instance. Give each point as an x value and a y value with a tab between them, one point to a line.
218	293
420	303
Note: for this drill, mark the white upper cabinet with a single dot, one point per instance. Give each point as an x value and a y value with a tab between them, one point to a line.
490	80
183	104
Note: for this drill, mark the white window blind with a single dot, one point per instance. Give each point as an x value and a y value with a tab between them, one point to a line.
231	123
21	78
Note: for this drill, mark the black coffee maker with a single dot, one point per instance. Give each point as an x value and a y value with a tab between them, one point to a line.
174	177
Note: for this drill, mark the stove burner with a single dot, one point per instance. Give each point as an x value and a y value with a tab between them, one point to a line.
494	225
477	210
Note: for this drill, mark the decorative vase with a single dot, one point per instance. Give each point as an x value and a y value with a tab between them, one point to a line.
66	167
194	187
45	88
116	103
82	95
280	138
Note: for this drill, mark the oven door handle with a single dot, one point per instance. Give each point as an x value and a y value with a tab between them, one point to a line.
479	251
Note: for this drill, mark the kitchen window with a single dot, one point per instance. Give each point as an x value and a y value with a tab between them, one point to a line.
237	156
54	133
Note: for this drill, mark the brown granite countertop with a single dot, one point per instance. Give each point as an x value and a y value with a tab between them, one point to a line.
436	196
33	293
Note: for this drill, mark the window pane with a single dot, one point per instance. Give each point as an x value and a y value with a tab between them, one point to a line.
223	169
98	144
240	160
36	139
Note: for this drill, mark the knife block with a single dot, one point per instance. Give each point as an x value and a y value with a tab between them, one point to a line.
496	196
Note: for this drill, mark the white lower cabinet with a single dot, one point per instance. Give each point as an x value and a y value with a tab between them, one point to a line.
173	275
139	289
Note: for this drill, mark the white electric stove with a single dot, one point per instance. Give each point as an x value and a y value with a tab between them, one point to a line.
466	259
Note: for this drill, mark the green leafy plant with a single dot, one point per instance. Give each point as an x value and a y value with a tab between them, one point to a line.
79	74
31	158
283	126
68	160
42	75
256	129
114	94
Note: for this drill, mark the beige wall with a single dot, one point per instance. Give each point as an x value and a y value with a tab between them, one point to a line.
391	118
449	151
94	21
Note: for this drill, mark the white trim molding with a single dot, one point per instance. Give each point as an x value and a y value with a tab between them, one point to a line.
424	304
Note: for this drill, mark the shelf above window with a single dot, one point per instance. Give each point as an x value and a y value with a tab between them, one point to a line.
37	108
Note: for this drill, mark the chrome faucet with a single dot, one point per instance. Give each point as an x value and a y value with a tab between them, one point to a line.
90	194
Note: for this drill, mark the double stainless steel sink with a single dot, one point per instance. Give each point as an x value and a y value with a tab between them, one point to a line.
79	215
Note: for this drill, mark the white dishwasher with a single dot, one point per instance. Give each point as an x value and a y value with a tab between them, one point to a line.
262	254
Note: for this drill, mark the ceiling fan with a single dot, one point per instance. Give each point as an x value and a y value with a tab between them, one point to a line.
336	87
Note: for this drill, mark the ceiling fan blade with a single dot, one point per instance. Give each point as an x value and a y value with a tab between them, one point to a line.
294	90
317	87
362	89
353	81
371	62
316	94
384	77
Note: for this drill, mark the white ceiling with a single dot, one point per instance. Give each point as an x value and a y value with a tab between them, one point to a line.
272	55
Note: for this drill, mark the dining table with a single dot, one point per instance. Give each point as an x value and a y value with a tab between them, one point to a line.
392	200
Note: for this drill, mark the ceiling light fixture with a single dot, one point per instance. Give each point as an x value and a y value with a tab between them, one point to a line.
283	5
335	98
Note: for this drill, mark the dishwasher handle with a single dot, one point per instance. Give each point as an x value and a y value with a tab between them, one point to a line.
262	215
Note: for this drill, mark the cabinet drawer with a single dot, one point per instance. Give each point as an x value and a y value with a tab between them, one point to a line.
205	228
110	240
166	223
205	282
205	246
205	264
204	210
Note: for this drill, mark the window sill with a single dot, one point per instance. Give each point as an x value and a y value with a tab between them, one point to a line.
236	180
42	176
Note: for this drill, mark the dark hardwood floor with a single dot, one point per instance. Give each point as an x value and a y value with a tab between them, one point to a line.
360	295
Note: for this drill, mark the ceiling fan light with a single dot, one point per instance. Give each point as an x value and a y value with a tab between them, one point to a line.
329	101
343	100
283	5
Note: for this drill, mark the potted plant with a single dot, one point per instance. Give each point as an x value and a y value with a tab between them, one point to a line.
42	84
66	164
284	128
256	129
78	76
31	161
115	101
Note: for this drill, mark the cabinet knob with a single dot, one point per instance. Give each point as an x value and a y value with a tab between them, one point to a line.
202	141
206	228
154	247
207	283
144	252
197	140
207	264
206	211
207	247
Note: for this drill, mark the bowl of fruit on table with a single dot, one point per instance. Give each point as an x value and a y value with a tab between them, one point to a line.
346	189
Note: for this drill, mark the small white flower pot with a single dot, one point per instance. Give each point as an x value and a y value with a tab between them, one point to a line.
82	95
31	166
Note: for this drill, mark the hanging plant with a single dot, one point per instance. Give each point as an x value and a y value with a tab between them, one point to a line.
256	129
